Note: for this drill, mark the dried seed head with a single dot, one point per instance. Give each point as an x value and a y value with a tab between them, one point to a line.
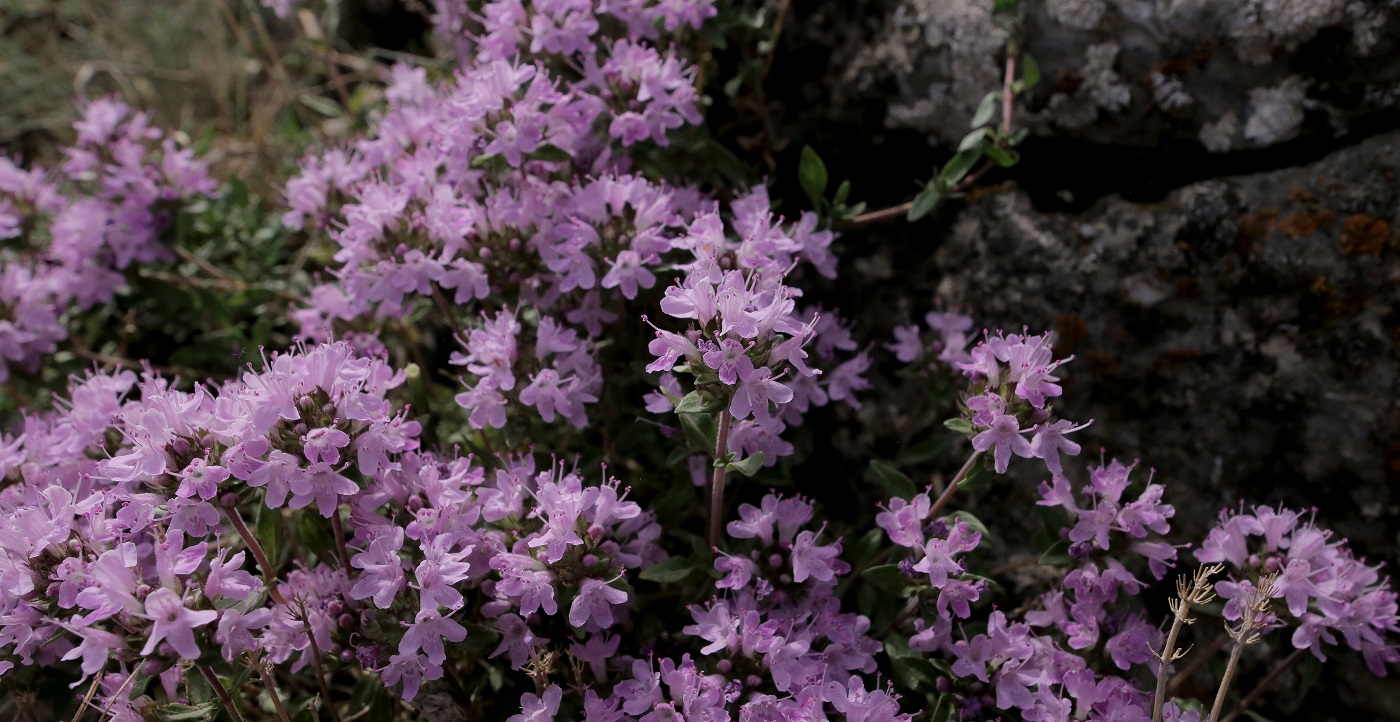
1256	612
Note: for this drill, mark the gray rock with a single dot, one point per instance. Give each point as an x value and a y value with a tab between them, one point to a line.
1242	336
1227	75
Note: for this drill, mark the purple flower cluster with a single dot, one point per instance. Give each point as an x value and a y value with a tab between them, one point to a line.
778	630
946	345
77	228
1041	666
127	560
301	523
1325	591
512	188
1013	377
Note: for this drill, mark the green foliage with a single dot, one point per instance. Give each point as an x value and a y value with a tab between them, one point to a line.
890	480
812	176
989	142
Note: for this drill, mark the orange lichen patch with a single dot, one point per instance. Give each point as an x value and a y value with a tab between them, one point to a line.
1070	331
1335	304
1172	66
1364	234
1300	195
1254	227
1304	223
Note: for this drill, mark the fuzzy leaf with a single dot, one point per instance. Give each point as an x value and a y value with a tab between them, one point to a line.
691	403
960	425
175	712
888	578
892	481
699	430
924	203
811	173
750	465
1030	70
986	109
669	571
1057	555
551	153
974	523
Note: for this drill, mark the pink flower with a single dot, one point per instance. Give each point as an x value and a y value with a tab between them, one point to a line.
594	604
1005	435
174	623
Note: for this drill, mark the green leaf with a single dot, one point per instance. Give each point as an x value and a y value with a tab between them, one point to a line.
887	577
1256	716
914	672
986	109
175	712
974	140
811	173
973	522
892	481
691	403
1309	671
723	159
551	153
943	710
1057	555
1030	70
1001	156
324	106
842	192
314	536
750	465
270	535
924	203
960	425
958	166
669	571
201	692
491	163
976	476
699	430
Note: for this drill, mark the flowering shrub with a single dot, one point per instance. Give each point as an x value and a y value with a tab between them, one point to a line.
68	235
428	507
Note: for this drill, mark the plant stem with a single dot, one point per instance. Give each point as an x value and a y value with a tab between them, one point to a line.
340	541
1006	83
445	308
1167	651
1225	680
947	494
117	694
271	686
717	481
316	659
1201	658
253	546
1263	686
943	499
87	699
222	693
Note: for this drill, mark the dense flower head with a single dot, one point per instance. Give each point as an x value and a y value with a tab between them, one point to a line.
78	227
1327	595
1012	377
1038	665
305	523
747	342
